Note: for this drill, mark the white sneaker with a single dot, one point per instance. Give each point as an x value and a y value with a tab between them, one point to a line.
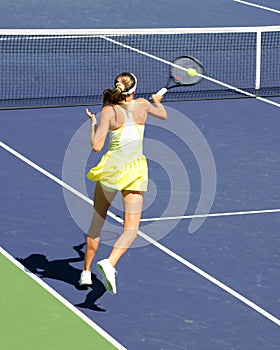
108	273
85	279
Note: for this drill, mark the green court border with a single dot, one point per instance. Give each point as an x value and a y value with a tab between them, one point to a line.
35	317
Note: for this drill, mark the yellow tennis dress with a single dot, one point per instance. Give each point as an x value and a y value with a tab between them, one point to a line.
123	167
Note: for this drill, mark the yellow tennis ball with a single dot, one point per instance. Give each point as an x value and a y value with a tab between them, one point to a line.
192	72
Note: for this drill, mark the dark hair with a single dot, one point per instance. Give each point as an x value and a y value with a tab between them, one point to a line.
123	83
106	98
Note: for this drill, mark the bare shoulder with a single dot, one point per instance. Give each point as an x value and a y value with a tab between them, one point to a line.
141	99
143	102
108	111
108	108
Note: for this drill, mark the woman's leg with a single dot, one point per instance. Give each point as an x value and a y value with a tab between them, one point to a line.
133	203
102	202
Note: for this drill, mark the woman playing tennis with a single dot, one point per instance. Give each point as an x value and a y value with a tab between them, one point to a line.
123	168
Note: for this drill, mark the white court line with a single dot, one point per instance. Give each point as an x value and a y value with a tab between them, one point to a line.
233	213
155	243
258	6
63	300
54	178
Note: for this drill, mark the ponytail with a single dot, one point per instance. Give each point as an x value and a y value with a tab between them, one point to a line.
124	83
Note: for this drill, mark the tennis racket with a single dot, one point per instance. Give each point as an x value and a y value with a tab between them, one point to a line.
185	71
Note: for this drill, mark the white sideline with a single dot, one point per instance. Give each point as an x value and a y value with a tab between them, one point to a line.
258	6
65	302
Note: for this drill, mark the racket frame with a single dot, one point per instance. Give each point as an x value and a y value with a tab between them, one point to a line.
171	78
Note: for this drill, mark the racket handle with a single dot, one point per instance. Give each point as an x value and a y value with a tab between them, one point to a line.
162	91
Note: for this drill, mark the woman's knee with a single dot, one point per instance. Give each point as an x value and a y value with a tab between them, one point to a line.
133	202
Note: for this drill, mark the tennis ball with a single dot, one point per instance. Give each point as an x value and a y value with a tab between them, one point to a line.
192	72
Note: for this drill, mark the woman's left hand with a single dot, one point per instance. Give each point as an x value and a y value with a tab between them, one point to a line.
91	116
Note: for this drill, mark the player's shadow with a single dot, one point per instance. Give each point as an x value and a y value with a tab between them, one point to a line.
62	270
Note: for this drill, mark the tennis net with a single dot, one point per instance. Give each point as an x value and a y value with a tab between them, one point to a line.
42	68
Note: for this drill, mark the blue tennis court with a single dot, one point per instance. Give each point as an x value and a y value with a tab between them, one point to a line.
204	271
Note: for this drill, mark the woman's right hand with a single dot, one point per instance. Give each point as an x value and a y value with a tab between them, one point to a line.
156	98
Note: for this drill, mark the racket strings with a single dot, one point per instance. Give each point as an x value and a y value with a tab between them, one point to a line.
180	74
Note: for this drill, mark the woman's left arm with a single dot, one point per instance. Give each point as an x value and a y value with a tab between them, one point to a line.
98	133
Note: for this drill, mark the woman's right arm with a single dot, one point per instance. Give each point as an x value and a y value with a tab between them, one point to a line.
157	109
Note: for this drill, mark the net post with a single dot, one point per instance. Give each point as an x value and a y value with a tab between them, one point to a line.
258	60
